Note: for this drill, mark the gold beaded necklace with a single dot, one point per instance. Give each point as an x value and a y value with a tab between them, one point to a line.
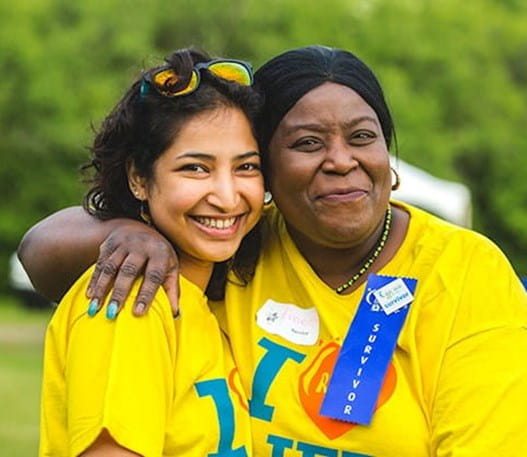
378	249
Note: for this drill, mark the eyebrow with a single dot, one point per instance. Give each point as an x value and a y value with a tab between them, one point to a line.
212	157
320	128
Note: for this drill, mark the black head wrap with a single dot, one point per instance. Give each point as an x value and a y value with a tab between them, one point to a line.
286	78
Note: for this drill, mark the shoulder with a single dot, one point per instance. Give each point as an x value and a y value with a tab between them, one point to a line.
429	232
74	306
455	256
466	284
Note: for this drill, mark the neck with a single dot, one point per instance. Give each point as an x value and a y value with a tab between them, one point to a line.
196	271
336	265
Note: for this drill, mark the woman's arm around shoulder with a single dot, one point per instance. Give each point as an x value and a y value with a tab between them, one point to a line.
58	249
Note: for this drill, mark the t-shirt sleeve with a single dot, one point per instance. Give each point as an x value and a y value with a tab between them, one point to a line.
480	407
119	377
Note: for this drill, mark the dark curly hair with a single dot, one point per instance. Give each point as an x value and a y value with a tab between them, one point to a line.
142	126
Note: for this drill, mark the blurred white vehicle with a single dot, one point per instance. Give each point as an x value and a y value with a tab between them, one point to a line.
449	200
22	287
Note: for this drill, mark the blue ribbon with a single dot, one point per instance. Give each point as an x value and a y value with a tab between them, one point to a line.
364	358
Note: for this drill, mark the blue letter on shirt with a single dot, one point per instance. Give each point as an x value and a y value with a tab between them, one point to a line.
218	390
265	373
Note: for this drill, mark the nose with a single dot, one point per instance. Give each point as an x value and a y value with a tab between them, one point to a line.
339	158
224	194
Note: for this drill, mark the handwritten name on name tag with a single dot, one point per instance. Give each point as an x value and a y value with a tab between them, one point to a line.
295	324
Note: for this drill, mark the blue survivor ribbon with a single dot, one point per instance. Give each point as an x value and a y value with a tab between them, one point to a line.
363	360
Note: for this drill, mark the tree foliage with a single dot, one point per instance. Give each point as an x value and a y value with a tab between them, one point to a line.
455	74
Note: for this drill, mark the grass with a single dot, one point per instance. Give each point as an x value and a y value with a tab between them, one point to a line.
21	344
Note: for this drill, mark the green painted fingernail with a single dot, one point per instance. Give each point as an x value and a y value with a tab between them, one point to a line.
93	307
111	310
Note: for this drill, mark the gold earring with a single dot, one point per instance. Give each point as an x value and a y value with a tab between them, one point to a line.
143	213
397	182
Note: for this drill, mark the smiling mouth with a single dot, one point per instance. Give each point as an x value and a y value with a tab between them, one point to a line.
216	223
343	195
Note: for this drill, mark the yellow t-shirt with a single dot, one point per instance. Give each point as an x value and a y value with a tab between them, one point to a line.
457	383
161	387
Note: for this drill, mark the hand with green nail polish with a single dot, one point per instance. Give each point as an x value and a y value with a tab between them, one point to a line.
154	259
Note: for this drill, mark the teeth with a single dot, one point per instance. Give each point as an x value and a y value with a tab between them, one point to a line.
216	223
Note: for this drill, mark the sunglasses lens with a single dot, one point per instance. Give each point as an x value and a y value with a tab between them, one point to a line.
191	86
165	79
167	82
232	71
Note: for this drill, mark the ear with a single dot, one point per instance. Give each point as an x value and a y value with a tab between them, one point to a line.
136	182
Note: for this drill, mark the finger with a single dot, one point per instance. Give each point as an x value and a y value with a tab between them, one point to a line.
129	271
171	286
107	269
112	309
105	251
153	278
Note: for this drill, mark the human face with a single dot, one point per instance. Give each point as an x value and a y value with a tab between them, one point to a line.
206	192
330	171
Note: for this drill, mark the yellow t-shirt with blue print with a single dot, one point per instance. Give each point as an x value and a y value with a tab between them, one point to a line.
161	387
456	385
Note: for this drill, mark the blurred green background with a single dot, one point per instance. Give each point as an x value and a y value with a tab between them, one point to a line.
455	75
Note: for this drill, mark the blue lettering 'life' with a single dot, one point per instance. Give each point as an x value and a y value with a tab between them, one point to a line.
266	371
218	390
280	444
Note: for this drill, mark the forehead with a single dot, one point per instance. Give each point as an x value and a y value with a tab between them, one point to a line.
221	124
328	103
223	131
222	114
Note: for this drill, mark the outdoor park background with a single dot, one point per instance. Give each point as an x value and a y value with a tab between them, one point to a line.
455	75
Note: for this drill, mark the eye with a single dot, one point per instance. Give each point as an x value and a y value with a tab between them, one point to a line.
250	167
307	144
194	167
363	137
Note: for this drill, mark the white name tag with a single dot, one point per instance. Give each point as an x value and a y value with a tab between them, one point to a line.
393	296
295	324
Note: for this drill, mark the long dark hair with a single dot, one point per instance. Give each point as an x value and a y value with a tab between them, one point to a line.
141	127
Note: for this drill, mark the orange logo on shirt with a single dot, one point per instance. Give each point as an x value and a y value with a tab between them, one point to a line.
313	384
235	384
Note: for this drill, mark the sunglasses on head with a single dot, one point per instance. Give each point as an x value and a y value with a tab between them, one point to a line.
168	83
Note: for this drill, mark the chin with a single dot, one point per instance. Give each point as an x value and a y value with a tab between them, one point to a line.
341	237
217	256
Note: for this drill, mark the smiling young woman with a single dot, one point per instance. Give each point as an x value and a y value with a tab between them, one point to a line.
182	156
